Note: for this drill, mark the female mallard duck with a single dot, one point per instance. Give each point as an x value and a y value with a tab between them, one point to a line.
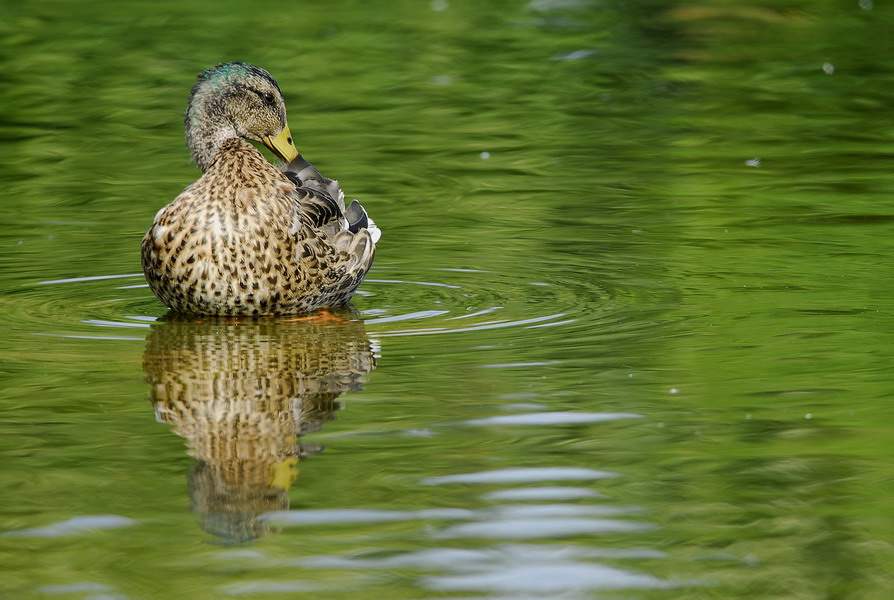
248	238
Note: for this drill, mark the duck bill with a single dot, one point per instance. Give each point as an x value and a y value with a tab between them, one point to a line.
282	145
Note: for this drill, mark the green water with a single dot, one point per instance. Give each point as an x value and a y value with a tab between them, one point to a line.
627	334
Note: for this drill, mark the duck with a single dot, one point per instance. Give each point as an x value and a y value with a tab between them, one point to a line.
251	238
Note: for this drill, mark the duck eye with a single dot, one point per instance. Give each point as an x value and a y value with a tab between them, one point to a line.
266	97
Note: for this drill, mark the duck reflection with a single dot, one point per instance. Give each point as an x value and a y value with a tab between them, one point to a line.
242	393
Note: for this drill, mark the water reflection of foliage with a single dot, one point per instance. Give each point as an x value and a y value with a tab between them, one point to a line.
242	393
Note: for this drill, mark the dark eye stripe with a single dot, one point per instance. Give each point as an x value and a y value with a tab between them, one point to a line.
265	96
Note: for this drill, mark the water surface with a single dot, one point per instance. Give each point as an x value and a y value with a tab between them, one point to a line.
624	338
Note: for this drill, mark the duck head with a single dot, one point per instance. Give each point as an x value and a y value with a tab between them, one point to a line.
236	100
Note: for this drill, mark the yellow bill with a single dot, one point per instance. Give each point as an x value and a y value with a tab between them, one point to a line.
282	145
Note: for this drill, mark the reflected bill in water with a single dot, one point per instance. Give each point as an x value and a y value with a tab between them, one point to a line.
242	392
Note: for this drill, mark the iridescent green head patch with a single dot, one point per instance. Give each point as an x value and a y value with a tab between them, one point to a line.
228	72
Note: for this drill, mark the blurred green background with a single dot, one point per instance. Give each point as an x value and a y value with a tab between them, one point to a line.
651	233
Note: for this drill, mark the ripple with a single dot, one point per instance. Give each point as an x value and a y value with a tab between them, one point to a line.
548	579
429	301
552	418
74	588
75	526
91	278
105	323
533	528
359	515
459	559
549	511
519	364
442	301
522	475
554	492
97	307
252	588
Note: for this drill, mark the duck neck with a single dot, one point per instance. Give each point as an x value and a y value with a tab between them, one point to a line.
206	130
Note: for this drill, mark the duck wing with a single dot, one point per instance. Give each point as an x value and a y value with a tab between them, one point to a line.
326	205
320	211
358	219
305	175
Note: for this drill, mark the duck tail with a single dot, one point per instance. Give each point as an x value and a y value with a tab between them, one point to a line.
359	219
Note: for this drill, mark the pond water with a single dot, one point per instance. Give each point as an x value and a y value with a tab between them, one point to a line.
625	336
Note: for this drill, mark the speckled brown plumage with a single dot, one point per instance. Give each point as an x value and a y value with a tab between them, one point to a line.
245	239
